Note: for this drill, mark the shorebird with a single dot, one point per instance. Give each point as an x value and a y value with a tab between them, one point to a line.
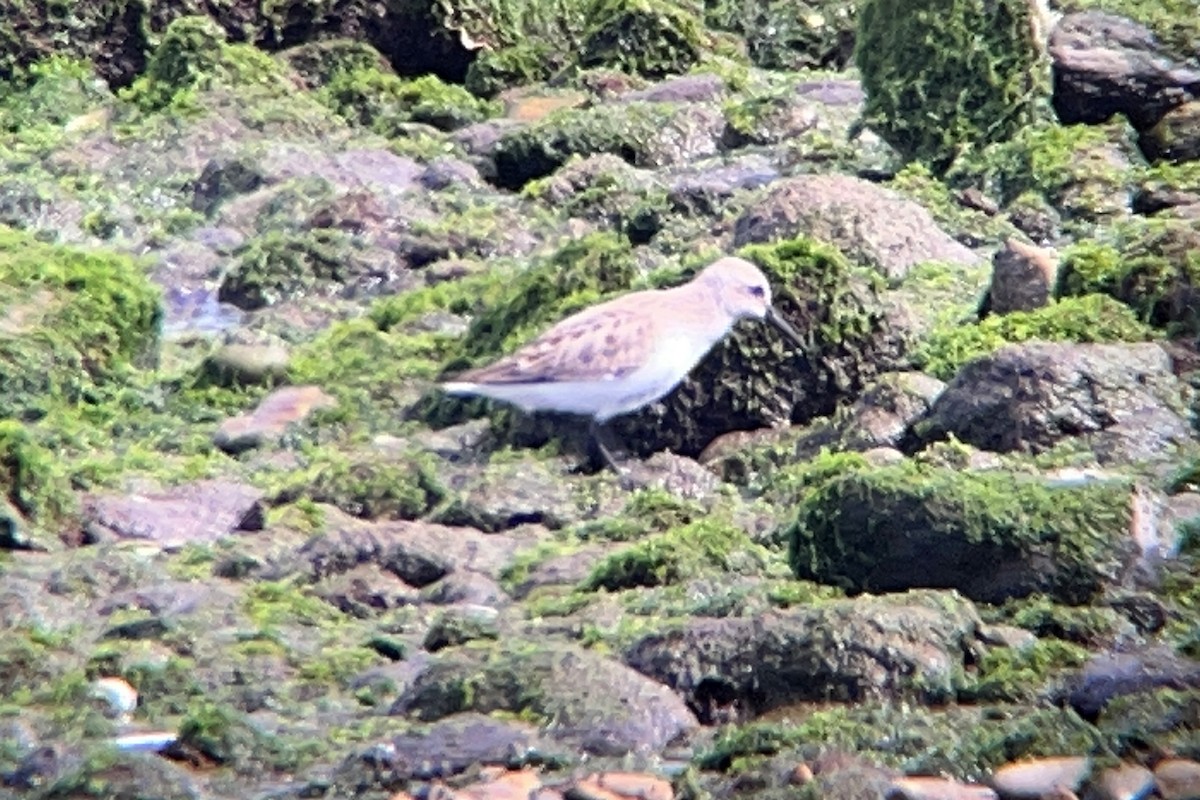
620	355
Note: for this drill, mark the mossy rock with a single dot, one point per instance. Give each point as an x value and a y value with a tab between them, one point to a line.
1153	265
650	38
318	63
522	64
49	94
789	35
1082	171
1086	318
991	535
70	320
539	149
281	265
366	485
1174	23
943	77
384	102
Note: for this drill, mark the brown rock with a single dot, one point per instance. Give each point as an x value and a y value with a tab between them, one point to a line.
1176	137
1023	277
271	418
198	512
1178	779
1036	778
515	785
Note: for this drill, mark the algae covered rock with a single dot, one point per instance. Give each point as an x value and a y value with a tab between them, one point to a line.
990	535
644	37
70	320
789	35
944	76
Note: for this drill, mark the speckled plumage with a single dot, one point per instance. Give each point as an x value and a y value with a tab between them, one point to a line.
620	355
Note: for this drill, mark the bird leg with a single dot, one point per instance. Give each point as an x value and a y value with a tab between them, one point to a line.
597	434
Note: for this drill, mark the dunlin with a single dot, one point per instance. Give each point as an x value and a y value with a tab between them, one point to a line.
620	355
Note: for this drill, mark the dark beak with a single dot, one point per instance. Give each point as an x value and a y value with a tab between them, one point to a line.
776	319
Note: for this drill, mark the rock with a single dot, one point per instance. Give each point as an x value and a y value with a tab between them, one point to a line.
882	415
707	188
1029	397
419	553
869	223
1177	779
464	587
505	495
507	785
271	418
844	650
193	513
1037	778
1023	278
1126	781
1110	675
459	625
618	785
929	788
593	703
1105	64
120	697
895	527
246	365
696	88
1175	137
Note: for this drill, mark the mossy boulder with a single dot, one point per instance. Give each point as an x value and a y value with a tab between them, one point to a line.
789	35
641	133
1086	318
1153	265
287	265
643	37
943	77
990	535
70	321
384	102
1082	171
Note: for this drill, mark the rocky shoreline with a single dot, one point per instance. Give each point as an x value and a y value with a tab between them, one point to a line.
948	549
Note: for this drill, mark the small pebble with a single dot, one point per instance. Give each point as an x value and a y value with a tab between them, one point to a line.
930	788
121	697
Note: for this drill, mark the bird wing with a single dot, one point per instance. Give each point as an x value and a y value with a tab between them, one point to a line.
604	342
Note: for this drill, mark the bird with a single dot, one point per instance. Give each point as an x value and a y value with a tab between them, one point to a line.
617	356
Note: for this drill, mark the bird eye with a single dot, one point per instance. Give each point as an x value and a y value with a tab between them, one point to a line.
758	291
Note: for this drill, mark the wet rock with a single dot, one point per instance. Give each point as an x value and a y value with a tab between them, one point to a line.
1038	778
1177	779
707	189
464	587
1029	397
1105	64
366	590
566	569
271	418
1111	675
1023	278
617	785
847	650
459	625
222	178
594	703
193	513
1175	137
246	365
869	223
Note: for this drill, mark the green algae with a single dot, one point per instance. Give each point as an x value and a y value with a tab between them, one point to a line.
366	485
650	38
789	35
1086	318
383	102
1152	265
856	530
943	77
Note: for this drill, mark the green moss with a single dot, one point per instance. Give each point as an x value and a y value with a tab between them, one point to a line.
943	76
966	224
32	478
1016	675
522	64
37	103
336	666
1072	167
1153	265
1085	625
383	102
708	545
859	528
280	265
789	34
646	511
643	37
539	149
368	486
70	320
1088	318
1166	719
271	603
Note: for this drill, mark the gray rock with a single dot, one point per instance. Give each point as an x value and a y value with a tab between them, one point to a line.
1029	397
869	223
847	650
592	702
193	513
1105	64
